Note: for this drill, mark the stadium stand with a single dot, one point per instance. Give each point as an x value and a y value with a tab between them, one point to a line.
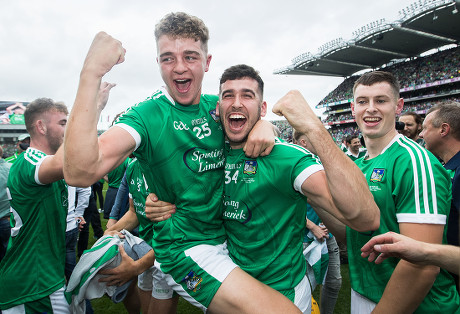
404	47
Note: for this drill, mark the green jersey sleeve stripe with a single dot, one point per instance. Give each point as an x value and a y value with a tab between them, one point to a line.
422	160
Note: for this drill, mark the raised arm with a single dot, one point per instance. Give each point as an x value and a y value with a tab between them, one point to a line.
87	158
347	185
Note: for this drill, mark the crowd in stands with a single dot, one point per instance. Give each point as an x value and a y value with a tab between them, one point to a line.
436	67
440	66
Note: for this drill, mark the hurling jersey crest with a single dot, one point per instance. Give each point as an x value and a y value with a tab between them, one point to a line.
250	167
377	175
192	281
213	115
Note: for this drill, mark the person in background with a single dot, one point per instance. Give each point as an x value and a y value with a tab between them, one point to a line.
441	132
412	126
5	229
21	146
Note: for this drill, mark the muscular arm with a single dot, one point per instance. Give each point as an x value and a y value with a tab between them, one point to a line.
88	158
410	283
345	181
51	168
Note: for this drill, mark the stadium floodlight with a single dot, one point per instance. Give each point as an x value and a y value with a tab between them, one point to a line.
455	11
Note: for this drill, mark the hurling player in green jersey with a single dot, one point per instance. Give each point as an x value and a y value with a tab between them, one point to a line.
412	191
190	144
32	271
264	199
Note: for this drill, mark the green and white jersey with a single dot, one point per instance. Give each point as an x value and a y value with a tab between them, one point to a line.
409	185
264	213
116	175
138	191
33	266
12	159
180	150
352	157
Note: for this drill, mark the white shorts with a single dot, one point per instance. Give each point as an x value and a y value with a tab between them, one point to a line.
54	303
199	274
361	304
145	280
302	296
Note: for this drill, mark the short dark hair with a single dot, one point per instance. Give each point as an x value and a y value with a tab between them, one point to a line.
371	78
241	71
351	137
417	118
39	106
447	113
182	25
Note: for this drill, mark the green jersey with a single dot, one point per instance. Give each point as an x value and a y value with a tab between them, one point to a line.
264	213
12	159
180	150
409	185
116	175
360	155
33	266
138	191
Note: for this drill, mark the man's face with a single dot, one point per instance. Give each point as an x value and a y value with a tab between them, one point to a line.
430	134
411	128
355	144
183	63
375	108
240	107
55	126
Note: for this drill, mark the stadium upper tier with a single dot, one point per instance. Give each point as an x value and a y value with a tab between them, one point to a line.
423	25
438	69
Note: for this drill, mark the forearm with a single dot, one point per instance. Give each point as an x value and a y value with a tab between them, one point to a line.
335	226
346	182
444	256
407	287
145	262
81	147
129	221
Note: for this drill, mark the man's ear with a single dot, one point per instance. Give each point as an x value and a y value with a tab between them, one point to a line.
263	109
445	129
399	106
352	105
217	109
40	126
208	61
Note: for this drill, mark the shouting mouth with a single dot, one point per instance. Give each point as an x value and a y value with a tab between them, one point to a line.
236	121
183	85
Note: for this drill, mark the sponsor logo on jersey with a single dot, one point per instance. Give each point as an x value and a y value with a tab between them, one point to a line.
180	126
250	167
377	175
235	210
213	115
193	281
199	159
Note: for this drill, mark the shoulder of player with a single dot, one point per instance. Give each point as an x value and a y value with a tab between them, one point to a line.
285	147
406	152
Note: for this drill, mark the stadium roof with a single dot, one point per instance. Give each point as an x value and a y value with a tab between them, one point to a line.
423	25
